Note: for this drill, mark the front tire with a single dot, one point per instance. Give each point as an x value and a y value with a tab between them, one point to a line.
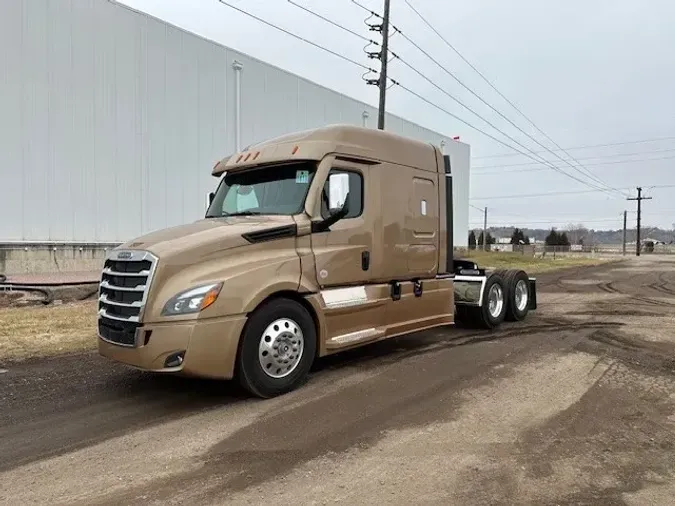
277	350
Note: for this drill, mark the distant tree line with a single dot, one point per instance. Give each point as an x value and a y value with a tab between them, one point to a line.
519	237
474	243
555	238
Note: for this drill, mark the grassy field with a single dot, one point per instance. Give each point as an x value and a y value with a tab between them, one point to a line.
501	260
47	330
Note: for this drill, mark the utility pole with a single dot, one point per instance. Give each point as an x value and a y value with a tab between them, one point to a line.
384	57
485	230
625	218
639	199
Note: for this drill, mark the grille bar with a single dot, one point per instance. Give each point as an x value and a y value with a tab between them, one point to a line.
137	288
141	274
123	293
105	314
105	300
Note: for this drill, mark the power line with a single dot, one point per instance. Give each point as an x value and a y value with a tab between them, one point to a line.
601	157
337	25
596	188
385	50
555	194
442	67
587	146
318	46
587	172
538	169
547	222
541	159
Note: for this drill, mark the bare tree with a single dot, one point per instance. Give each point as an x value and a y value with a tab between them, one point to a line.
577	233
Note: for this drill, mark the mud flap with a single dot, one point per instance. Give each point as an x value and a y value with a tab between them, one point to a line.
533	294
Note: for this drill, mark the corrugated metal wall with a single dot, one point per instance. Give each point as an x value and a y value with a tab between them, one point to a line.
110	120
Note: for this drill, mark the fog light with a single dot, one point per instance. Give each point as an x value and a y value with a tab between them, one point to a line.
175	359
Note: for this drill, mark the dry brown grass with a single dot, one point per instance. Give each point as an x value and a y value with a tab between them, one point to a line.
531	265
52	330
47	330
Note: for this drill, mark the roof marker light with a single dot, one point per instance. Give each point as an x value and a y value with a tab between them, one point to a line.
239	159
257	153
247	157
295	150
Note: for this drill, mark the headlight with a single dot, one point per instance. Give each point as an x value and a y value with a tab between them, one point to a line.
193	300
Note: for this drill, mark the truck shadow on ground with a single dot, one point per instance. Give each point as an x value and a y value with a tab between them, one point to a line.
73	409
40	398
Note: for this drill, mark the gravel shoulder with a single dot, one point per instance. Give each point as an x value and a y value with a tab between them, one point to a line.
574	406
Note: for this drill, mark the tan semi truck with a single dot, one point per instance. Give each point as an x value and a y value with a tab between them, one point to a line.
313	243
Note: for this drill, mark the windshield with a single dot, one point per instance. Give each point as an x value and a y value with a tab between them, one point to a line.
274	189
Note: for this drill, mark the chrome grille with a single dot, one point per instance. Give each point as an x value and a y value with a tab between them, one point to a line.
123	292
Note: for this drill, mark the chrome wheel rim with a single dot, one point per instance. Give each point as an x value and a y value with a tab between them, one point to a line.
281	347
495	300
522	295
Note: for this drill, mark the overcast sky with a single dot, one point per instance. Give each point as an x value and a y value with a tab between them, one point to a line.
586	72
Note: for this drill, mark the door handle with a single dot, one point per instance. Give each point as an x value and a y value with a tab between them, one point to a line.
365	260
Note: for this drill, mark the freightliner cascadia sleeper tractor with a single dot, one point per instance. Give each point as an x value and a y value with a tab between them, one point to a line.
313	243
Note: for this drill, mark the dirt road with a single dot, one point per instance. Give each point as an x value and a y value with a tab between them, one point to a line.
575	406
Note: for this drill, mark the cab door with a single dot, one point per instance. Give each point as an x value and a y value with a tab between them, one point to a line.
344	256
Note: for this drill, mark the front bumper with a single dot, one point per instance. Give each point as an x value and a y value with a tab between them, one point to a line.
209	346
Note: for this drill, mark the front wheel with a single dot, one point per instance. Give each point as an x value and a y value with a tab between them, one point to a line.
277	349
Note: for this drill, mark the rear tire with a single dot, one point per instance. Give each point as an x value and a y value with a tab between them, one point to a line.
277	349
517	295
493	309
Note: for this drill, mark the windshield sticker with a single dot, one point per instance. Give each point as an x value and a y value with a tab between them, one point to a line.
302	176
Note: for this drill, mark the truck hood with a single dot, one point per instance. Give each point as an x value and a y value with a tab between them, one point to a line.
204	237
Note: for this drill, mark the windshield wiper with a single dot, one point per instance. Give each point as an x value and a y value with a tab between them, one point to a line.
242	213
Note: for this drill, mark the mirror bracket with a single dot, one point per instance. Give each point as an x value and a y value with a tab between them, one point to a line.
325	224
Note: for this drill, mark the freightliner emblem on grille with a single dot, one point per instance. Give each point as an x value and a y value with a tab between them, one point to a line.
124	255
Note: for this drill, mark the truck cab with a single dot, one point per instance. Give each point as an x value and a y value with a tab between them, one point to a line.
313	243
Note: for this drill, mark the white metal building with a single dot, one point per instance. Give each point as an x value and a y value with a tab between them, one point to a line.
110	121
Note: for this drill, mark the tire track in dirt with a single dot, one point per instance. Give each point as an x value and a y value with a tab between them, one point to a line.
662	285
609	287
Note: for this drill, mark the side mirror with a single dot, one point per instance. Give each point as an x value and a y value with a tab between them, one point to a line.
335	216
338	190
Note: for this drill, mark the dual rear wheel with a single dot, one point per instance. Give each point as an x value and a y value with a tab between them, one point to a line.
506	297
